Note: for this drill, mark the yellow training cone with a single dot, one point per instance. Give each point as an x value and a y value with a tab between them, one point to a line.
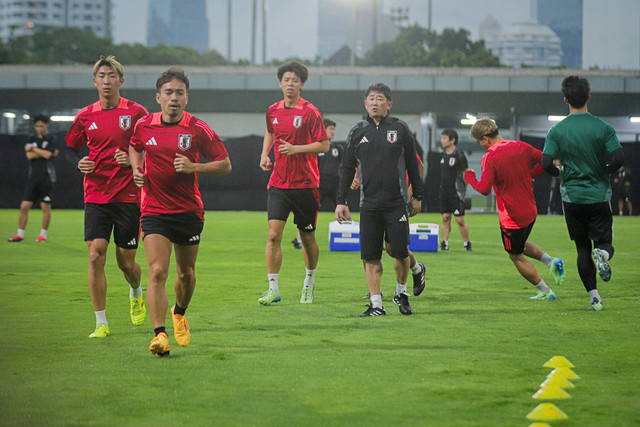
558	381
558	362
546	412
565	372
539	425
551	392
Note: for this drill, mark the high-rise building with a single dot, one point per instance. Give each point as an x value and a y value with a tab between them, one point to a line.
178	23
565	19
356	25
20	17
525	43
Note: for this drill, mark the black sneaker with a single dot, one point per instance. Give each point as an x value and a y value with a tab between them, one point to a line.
419	280
402	301
444	246
368	296
296	243
373	311
467	247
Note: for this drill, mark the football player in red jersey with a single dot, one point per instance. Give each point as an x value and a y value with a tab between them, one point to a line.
297	134
110	196
172	209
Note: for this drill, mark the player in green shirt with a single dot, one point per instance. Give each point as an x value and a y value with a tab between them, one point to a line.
576	150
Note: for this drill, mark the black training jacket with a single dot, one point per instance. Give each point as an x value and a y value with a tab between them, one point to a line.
383	154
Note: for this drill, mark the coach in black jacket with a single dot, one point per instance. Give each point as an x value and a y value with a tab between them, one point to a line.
383	149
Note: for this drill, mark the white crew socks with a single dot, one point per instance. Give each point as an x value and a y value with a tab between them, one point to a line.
376	301
416	268
542	287
135	293
594	294
43	233
310	278
101	317
21	232
401	288
273	281
546	259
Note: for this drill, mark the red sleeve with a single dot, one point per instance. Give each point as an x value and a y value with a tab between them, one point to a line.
269	121
76	136
486	183
136	139
212	148
536	156
316	127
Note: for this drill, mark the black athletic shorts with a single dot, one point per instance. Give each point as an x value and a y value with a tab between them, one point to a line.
451	203
303	202
589	221
39	189
376	224
180	228
123	218
514	239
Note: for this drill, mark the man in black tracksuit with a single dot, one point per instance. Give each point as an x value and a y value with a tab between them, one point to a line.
383	149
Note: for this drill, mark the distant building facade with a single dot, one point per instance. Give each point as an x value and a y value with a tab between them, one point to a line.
21	17
565	19
523	44
356	25
178	23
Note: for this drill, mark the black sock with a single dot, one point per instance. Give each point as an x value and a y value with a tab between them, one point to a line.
179	310
159	330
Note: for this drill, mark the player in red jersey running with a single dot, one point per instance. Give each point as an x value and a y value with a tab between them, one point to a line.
296	132
506	167
110	196
169	145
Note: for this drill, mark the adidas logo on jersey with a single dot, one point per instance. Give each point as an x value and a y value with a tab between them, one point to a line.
403	219
309	227
93	126
195	238
363	140
132	242
152	141
275	121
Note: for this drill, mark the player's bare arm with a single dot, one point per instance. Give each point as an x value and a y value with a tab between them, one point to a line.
135	158
182	164
315	147
267	143
122	158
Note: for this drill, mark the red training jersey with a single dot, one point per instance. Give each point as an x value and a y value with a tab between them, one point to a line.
299	125
104	131
167	191
506	166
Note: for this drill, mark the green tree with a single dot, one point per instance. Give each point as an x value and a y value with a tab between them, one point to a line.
417	46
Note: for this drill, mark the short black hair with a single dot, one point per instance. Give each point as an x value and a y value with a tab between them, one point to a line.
295	67
379	87
41	118
328	122
173	72
576	89
452	134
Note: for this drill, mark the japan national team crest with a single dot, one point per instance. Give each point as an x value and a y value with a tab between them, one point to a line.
452	161
184	142
392	136
125	122
297	121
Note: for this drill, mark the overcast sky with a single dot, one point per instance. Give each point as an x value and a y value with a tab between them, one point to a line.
611	31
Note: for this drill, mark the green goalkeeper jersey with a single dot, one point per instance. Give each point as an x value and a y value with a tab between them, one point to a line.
581	142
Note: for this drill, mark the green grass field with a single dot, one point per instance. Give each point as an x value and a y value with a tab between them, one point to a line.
471	355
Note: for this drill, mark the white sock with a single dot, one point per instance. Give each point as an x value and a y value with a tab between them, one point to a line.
446	242
605	253
594	294
273	281
416	268
101	317
21	232
43	233
310	277
542	287
376	301
546	259
135	292
466	243
401	288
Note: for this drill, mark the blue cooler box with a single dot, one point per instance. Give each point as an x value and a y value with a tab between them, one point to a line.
424	237
345	236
